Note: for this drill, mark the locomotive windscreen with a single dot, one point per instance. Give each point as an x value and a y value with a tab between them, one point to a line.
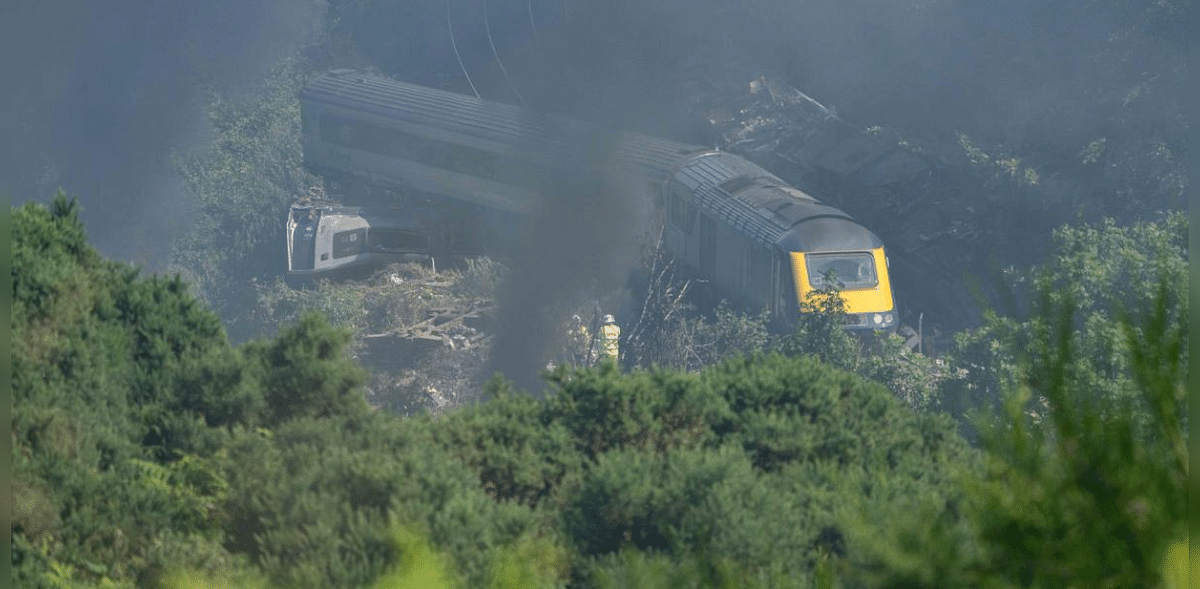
841	271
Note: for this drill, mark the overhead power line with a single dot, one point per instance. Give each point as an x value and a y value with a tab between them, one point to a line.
450	27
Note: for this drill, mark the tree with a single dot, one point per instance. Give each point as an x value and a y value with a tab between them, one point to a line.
241	184
303	373
101	494
1087	467
126	395
1100	274
756	461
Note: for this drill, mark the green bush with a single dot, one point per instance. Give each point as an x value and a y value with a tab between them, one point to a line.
312	501
519	454
126	394
241	184
635	569
97	351
821	333
654	411
303	373
762	463
636	498
1100	273
1081	487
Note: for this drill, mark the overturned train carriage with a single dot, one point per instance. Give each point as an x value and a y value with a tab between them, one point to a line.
467	169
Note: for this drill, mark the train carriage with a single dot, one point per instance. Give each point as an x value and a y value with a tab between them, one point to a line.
759	241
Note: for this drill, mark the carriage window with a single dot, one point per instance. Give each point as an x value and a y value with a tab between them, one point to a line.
841	271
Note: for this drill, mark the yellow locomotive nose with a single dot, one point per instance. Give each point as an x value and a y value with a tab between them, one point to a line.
861	278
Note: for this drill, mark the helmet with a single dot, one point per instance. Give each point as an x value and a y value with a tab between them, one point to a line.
609	319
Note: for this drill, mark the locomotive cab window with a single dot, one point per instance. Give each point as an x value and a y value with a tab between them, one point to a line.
850	271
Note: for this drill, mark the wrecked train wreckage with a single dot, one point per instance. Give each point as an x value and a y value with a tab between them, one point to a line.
760	241
907	187
783	129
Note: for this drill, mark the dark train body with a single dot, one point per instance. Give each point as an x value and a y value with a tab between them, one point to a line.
760	241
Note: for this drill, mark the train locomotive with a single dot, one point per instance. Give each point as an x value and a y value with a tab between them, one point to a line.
467	168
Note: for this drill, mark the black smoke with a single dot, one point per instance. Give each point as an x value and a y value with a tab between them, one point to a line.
585	240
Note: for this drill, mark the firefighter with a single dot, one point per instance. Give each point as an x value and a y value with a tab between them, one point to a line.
610	338
579	340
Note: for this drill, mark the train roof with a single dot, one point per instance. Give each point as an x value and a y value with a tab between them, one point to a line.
829	233
744	195
763	206
504	124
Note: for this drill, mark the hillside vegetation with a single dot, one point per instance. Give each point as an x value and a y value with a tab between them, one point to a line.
220	428
149	451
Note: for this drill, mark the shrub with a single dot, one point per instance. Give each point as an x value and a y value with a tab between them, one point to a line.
1080	489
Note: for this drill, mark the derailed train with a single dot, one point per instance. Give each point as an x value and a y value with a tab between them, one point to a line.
468	168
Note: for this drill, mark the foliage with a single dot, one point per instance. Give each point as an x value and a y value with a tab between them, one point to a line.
798	410
655	411
340	481
527	564
821	333
96	354
749	460
998	170
280	304
879	356
643	499
700	342
125	395
303	373
530	562
418	564
145	445
1141	260
913	377
518	455
636	569
481	279
1085	480
241	184
748	471
1081	494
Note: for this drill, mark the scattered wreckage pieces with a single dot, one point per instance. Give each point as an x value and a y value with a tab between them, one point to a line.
772	123
455	327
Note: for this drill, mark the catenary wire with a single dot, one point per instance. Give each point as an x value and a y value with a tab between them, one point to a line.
488	29
450	27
